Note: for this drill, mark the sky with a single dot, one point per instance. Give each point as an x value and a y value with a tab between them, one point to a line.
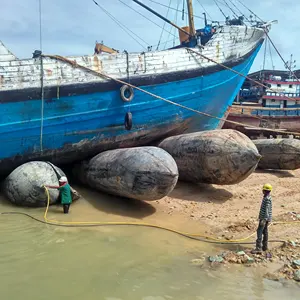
71	27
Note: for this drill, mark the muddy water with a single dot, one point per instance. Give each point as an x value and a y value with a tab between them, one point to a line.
45	262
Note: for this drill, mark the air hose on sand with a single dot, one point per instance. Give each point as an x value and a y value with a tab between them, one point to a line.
198	237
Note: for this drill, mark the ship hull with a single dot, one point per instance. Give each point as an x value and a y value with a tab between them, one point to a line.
254	126
89	118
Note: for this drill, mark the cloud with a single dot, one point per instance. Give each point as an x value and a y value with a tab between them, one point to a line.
71	27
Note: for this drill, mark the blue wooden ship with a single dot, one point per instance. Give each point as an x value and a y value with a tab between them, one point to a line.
56	111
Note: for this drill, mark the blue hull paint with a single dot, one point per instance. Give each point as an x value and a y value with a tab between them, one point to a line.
78	126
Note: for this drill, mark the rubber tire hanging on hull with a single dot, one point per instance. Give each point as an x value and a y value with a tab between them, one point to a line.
123	90
128	121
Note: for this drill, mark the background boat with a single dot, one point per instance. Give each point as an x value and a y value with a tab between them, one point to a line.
278	108
61	112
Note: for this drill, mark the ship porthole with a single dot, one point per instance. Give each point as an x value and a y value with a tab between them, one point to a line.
127	93
128	120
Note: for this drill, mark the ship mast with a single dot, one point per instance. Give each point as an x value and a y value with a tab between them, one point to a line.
191	17
163	18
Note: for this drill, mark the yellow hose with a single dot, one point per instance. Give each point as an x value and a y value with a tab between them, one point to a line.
49	221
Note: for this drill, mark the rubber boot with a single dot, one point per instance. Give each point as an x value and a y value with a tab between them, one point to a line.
256	251
66	208
265	240
258	245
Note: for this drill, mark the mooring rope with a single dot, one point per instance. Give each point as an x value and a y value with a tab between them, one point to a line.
101	74
42	105
42	78
238	73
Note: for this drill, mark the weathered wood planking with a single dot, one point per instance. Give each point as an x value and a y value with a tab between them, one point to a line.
231	42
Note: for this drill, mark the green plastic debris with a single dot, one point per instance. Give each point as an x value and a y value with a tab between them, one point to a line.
215	259
296	262
292	243
297	275
249	259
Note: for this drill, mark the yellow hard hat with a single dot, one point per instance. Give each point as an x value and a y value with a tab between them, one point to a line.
267	187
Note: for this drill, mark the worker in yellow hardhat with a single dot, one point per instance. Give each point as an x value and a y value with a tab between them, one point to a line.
265	218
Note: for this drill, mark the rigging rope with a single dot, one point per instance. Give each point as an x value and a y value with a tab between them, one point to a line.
230	9
250	11
286	65
176	16
143	15
40	23
265	54
172	8
240	74
220	9
100	74
126	29
163	26
171	29
270	52
239	11
207	13
227	5
165	42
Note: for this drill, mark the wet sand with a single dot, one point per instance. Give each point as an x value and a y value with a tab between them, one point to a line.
226	212
222	211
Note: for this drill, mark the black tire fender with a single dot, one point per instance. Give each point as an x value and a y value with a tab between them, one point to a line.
127	89
128	121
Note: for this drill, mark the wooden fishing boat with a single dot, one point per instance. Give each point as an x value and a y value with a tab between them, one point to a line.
65	109
254	120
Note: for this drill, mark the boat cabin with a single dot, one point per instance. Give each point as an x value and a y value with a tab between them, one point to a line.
281	93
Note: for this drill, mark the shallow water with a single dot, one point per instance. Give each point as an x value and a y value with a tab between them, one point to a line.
46	262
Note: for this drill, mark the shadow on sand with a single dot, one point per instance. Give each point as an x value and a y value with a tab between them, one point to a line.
278	173
200	193
116	205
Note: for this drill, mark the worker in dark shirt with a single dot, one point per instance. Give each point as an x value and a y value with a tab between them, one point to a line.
265	218
65	193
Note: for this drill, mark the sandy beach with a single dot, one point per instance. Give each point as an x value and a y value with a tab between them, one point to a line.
225	212
231	211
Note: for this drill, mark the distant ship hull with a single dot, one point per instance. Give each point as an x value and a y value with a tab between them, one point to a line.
256	120
84	114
